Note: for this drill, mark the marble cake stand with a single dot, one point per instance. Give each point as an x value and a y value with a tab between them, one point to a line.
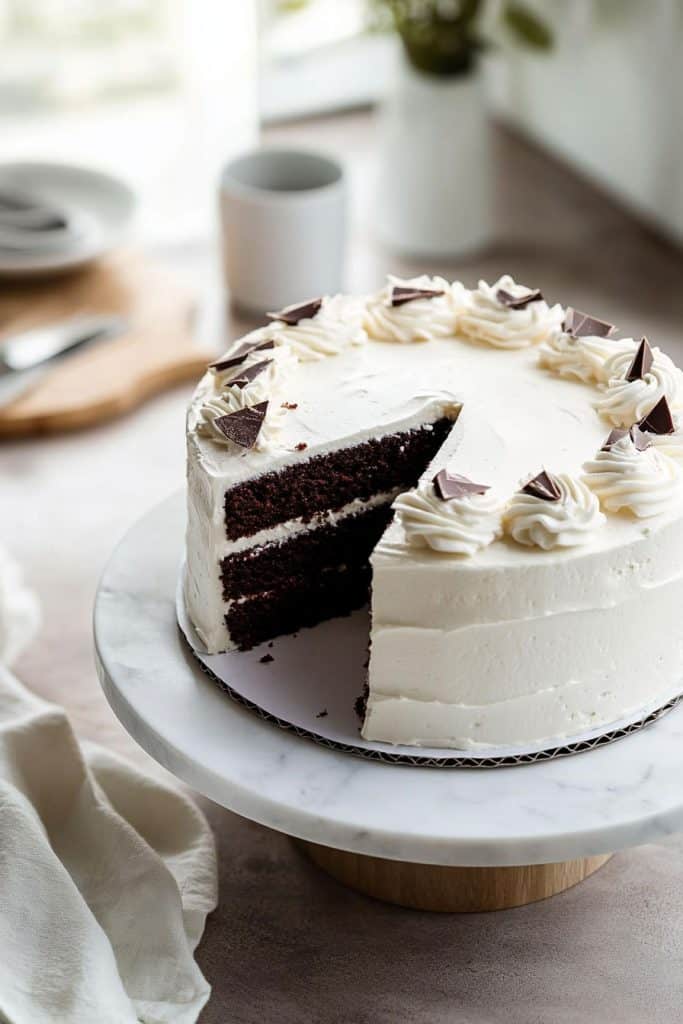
440	839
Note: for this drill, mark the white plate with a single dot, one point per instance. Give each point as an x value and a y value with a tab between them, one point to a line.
104	202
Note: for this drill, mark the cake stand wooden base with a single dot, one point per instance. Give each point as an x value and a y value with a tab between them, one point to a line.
451	889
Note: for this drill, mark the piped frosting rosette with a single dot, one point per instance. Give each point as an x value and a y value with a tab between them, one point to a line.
630	474
636	383
509	315
320	327
251	376
451	515
553	511
418	309
583	348
664	430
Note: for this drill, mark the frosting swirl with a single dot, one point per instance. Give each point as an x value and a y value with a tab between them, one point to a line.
669	444
224	397
569	521
220	404
582	358
625	402
337	325
459	526
489	320
645	483
418	320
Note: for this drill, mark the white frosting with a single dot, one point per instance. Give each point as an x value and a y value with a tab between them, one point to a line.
221	398
419	319
19	610
460	526
626	402
646	483
488	320
669	444
582	358
337	325
516	643
568	522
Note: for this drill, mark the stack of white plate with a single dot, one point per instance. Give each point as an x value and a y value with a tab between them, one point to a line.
55	218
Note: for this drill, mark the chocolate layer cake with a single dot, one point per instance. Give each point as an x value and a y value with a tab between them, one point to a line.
502	474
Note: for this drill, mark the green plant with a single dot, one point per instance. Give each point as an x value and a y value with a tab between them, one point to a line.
445	37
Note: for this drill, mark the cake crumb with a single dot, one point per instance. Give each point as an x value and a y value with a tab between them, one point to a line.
266	659
270	644
301	446
322	714
290	405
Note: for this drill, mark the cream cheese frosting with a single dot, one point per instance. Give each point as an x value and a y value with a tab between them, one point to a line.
487	319
526	638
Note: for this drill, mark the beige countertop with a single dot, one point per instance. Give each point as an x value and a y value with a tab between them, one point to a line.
287	944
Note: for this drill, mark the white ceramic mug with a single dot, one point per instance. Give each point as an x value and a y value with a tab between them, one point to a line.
283	218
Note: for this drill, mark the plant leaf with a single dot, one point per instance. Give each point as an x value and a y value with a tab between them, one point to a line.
527	26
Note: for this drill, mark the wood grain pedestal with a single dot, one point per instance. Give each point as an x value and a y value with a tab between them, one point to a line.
451	889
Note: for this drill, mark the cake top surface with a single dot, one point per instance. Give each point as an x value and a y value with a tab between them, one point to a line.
548	402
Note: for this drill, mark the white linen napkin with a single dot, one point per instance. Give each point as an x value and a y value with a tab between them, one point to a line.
106	875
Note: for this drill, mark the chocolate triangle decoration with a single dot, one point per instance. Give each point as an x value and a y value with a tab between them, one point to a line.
581	325
453	485
401	294
614	435
291	315
518	301
640	440
642	362
248	374
243	426
543	486
240	354
659	419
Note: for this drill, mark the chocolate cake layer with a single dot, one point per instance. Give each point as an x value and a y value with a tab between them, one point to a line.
332	481
295	605
301	558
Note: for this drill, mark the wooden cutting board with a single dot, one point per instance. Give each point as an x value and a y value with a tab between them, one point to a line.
111	376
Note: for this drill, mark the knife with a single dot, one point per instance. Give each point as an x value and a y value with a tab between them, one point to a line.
27	355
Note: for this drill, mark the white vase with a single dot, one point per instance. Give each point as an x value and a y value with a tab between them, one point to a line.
435	182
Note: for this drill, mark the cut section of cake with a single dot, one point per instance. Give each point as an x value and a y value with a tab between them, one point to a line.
452	453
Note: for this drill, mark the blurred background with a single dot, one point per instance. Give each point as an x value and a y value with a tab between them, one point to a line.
162	91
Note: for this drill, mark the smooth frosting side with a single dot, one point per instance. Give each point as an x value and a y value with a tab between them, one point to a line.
460	526
418	320
551	647
486	319
645	483
568	522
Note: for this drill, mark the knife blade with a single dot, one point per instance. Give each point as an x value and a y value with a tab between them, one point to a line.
27	355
